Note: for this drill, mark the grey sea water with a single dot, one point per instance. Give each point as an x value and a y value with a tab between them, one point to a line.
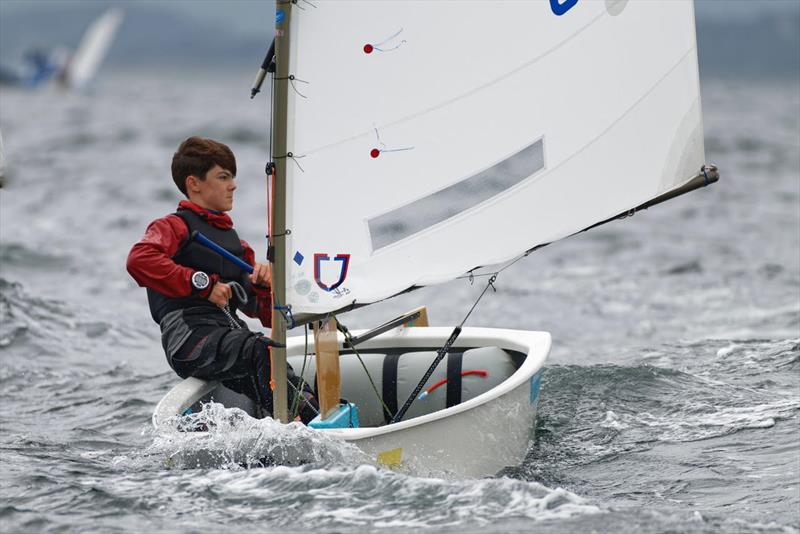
670	401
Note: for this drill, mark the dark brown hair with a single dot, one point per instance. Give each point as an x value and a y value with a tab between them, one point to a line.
196	156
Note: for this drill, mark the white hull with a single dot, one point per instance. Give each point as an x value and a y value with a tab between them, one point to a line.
478	437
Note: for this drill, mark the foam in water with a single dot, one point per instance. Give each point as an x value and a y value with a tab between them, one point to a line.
362	496
229	437
318	481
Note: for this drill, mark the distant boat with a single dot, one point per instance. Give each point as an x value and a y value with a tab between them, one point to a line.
73	70
39	66
83	65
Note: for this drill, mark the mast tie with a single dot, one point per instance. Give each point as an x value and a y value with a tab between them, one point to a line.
287	232
292	78
293	158
297	3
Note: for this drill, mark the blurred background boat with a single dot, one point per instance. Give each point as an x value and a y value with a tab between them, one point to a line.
73	70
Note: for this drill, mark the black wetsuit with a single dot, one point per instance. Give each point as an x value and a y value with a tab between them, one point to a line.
201	341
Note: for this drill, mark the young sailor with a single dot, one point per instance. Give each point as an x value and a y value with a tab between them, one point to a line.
194	293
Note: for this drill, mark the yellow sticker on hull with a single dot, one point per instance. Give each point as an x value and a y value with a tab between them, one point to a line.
391	458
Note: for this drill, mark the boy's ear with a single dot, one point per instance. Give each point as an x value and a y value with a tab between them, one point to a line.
191	182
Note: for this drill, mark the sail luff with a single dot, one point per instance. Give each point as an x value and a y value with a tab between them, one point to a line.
279	129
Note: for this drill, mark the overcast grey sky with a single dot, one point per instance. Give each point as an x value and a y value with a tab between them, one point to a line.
755	37
247	16
250	15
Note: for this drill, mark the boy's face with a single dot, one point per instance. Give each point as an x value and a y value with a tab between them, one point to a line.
215	192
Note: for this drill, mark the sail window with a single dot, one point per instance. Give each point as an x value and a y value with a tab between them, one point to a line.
437	207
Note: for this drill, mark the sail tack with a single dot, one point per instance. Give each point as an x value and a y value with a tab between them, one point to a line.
430	138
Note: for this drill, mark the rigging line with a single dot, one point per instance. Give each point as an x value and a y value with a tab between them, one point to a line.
471	275
296	404
489	284
271	110
440	354
349	340
299	393
293	158
297	3
472	91
293	79
232	322
705	176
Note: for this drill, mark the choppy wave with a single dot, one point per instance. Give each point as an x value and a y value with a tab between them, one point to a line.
369	497
45	326
679	397
19	255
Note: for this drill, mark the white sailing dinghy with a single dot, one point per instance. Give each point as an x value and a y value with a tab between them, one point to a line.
95	43
414	143
74	70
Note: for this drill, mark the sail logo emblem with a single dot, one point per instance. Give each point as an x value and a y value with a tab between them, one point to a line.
559	8
323	269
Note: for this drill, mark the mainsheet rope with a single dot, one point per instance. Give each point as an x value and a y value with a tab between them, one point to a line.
349	340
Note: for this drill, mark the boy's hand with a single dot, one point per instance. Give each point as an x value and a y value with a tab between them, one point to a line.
220	294
262	275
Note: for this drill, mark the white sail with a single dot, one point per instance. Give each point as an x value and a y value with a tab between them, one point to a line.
497	126
93	48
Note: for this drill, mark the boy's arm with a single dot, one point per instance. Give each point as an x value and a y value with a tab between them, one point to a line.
263	293
150	260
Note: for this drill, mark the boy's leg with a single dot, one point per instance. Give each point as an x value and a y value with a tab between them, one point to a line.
240	360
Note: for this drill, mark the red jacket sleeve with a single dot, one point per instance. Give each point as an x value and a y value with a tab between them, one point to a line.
150	260
263	310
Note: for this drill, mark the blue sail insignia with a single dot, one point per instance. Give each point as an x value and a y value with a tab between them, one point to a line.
559	8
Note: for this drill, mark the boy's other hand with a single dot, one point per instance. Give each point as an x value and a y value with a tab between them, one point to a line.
262	275
220	294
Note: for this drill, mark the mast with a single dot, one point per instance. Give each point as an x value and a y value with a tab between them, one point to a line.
279	127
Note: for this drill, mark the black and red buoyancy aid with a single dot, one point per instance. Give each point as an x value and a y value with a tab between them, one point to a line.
200	258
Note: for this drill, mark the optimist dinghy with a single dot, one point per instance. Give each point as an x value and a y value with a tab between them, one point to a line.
414	143
476	420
